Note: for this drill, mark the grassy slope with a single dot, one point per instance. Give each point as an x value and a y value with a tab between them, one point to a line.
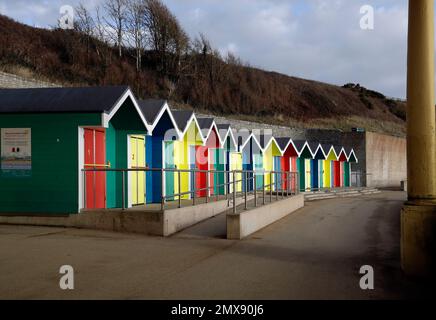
240	92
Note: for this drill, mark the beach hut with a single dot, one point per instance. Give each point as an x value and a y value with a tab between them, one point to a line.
49	135
305	162
337	167
229	146
317	166
272	161
342	159
185	151
352	158
331	157
210	156
289	160
164	132
252	159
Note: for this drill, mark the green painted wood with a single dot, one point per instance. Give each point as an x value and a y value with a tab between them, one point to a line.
220	165
346	174
53	184
302	173
126	122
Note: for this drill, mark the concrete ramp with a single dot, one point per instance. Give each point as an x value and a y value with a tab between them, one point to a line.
245	223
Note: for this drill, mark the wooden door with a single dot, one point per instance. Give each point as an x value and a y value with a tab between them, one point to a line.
137	178
95	158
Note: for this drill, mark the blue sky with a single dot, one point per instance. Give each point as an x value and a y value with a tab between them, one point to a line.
313	39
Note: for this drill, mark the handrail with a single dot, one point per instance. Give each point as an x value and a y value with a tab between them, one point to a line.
281	182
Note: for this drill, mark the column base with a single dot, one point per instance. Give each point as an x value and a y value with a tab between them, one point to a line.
418	239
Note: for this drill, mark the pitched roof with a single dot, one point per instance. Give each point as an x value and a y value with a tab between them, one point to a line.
56	100
182	118
264	140
205	123
283	143
150	108
326	147
299	144
223	129
313	145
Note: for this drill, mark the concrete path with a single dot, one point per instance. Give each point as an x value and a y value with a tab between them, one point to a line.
314	253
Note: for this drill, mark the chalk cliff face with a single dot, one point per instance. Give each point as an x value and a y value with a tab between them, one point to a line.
206	83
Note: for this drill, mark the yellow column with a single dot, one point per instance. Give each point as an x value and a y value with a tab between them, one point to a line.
418	215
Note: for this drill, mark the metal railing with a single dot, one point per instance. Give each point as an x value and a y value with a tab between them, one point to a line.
282	184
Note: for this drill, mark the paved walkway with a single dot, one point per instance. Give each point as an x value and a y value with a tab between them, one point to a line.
314	253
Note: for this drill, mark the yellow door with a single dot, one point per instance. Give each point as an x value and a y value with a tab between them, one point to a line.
137	161
236	164
308	175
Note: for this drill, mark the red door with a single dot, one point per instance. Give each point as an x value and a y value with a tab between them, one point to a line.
337	174
202	163
285	165
95	158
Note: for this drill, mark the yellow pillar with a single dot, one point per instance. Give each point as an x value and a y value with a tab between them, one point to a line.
418	219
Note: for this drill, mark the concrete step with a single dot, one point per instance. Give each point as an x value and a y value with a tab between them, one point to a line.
339	193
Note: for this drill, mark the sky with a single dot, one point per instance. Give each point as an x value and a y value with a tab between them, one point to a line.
312	39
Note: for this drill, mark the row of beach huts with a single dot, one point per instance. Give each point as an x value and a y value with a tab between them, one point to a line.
49	136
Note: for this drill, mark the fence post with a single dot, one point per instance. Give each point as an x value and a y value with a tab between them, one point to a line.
207	186
246	189
124	190
234	192
255	189
275	185
287	184
218	186
263	188
180	189
162	204
193	188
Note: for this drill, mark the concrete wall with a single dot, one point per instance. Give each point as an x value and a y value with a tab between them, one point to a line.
248	222
8	80
386	160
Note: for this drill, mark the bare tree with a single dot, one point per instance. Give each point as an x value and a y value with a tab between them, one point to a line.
166	36
116	11
136	32
85	24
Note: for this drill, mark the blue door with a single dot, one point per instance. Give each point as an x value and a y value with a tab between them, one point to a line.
278	168
315	174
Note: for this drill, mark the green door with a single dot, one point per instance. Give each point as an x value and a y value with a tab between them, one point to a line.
220	165
169	176
347	174
302	172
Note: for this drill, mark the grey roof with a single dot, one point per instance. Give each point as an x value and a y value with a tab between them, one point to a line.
205	123
182	118
264	140
313	145
326	147
150	108
44	100
222	129
299	144
242	137
283	142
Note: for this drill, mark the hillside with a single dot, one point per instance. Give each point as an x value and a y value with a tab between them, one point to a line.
204	82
